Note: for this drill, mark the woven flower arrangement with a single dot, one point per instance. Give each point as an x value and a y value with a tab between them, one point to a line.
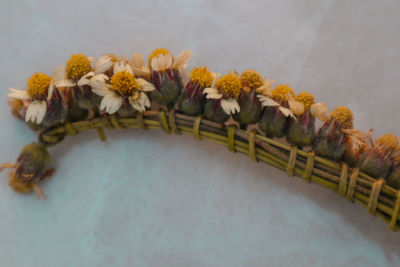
244	112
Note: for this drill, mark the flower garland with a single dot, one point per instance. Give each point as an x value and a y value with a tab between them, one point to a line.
121	90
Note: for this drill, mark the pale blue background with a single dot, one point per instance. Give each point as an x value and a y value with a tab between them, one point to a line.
148	199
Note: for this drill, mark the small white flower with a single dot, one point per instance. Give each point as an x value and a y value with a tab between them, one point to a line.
229	105
165	61
95	78
112	100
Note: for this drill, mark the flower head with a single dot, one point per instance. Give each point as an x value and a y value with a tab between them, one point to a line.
38	84
282	92
306	98
229	85
344	115
77	66
157	52
388	141
202	76
124	85
123	82
161	59
251	79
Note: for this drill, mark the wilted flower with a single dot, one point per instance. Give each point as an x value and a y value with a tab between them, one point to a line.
357	143
29	169
222	98
394	177
274	118
330	140
192	99
301	129
44	104
250	106
378	161
165	74
124	92
79	75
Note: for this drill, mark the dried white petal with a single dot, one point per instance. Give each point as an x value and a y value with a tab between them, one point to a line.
297	107
182	59
319	110
267	102
111	102
20	94
145	85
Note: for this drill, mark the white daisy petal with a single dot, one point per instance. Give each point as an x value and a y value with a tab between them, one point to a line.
20	94
101	90
51	90
214	96
41	112
85	79
287	112
297	107
267	102
226	106
111	102
145	85
168	61
64	83
103	63
36	111
319	110
59	73
210	90
182	59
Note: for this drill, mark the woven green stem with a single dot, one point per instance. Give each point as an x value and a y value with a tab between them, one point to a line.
379	199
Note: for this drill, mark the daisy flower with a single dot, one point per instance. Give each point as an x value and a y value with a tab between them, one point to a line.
357	143
222	98
250	106
378	160
79	75
330	140
165	74
274	118
192	99
44	105
123	90
301	129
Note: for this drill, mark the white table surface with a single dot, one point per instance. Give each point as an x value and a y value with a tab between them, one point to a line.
147	199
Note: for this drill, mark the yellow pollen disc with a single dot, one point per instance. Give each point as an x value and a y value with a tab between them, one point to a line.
202	76
251	79
306	98
389	140
123	82
230	84
77	66
18	185
344	115
38	84
157	52
282	91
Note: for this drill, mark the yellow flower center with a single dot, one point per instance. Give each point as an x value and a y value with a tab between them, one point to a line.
77	66
344	115
38	84
230	84
282	92
157	52
306	98
251	79
202	76
389	140
123	82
